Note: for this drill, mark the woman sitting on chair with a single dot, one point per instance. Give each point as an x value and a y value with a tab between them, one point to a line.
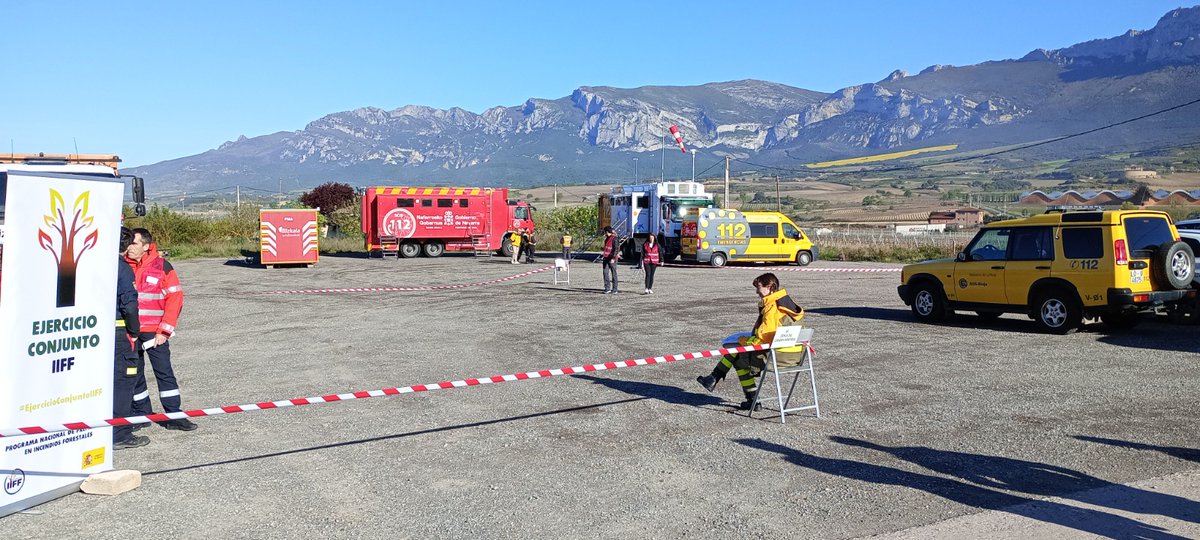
776	309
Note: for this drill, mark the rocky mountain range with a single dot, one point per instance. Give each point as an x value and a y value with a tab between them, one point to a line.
594	134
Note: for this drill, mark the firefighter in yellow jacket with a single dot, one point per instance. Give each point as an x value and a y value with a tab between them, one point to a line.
776	309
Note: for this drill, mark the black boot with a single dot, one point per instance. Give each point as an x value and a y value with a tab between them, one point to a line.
745	406
709	382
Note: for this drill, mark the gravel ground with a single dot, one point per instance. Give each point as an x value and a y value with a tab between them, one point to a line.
919	423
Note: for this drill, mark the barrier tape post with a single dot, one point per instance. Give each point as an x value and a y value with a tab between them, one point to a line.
364	394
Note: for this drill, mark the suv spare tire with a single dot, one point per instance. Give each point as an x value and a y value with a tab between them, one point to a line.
1174	264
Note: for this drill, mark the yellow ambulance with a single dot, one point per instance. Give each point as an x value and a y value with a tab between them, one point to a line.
717	236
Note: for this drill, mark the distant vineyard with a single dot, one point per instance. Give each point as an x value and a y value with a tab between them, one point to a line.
887	246
860	215
880	157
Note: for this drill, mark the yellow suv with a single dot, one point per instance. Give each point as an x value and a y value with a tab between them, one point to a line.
1058	268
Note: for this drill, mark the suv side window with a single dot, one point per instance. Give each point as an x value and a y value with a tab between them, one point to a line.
1083	242
989	245
1145	233
1031	244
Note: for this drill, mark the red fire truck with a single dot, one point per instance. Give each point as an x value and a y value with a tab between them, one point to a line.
411	221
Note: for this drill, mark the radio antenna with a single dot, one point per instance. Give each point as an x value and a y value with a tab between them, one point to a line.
76	141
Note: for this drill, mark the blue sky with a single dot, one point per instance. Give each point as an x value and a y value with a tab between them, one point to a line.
153	81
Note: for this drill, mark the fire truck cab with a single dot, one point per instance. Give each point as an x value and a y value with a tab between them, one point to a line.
88	164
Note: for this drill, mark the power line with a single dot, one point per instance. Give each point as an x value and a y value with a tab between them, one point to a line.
701	173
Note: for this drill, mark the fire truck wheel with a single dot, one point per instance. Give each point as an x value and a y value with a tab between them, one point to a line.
410	249
506	248
433	249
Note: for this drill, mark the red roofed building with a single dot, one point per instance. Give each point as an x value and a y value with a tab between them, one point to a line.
962	218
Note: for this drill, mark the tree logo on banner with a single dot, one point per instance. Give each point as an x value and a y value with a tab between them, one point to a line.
61	240
14	481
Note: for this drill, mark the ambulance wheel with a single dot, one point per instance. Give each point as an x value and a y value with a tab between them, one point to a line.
803	258
433	249
409	250
717	260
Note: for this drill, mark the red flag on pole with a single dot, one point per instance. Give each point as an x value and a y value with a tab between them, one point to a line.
678	138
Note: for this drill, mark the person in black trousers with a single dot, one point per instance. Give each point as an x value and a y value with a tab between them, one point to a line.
650	261
530	243
125	364
608	257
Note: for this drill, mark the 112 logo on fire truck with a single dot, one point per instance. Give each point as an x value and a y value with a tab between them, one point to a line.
400	223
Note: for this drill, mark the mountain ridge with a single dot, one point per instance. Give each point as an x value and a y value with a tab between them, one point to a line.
591	134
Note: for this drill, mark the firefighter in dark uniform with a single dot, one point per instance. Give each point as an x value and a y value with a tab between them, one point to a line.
125	360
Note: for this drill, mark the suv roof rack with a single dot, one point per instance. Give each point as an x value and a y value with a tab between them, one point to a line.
1063	208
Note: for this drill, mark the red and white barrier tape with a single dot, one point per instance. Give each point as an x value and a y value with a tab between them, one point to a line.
162	417
408	289
789	269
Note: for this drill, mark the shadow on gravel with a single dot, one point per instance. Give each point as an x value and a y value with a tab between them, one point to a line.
1037	479
579	290
879	314
1164	337
248	262
1188	454
393	437
669	394
1081	519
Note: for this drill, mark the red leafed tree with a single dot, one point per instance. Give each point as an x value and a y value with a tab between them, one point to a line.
329	197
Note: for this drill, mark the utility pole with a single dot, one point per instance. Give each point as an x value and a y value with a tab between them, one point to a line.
635	176
662	171
725	201
556	195
778	200
693	164
239	199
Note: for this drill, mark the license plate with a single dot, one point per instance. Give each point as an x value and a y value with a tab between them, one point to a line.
1137	276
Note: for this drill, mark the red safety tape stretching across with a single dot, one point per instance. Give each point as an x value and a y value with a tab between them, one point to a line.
786	269
229	409
407	289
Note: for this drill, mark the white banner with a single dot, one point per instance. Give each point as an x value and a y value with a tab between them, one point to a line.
57	310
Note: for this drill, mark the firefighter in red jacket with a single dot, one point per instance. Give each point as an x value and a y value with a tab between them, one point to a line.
160	298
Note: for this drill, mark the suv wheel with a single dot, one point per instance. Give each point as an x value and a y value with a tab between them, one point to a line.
929	303
1058	312
1174	264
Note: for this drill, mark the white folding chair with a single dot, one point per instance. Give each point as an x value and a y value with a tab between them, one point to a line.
806	365
562	271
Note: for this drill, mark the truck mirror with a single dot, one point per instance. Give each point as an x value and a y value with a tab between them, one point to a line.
139	190
962	256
